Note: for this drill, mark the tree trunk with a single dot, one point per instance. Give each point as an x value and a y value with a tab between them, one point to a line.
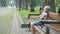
32	5
26	4
17	3
3	3
59	10
20	4
23	4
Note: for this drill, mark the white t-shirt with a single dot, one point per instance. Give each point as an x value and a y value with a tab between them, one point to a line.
45	17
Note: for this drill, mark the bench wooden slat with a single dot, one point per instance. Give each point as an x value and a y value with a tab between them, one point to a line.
54	16
50	21
40	31
51	30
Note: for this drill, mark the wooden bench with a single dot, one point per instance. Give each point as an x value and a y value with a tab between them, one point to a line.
55	16
54	23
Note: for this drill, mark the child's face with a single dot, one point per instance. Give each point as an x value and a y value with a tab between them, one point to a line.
45	9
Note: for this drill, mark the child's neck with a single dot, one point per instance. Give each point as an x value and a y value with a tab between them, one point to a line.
44	12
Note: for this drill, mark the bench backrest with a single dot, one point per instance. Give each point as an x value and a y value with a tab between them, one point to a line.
55	16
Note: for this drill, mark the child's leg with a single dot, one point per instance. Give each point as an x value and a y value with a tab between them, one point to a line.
36	22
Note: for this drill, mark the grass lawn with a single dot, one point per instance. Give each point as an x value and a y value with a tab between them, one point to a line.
24	13
5	23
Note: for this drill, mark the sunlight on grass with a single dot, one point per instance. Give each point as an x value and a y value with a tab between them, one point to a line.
24	14
5	23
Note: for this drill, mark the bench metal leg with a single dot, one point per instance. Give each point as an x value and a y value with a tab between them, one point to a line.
47	29
29	27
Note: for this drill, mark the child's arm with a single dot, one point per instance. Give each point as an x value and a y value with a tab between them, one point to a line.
41	16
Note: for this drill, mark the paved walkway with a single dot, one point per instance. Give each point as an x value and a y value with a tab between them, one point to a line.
16	25
5	10
17	21
6	15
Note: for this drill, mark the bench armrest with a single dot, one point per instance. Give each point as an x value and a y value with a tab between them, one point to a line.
32	15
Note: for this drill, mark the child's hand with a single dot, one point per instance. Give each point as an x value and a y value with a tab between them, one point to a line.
41	16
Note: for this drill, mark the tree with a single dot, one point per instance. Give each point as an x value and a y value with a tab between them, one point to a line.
26	4
17	3
50	3
32	5
59	10
3	3
20	4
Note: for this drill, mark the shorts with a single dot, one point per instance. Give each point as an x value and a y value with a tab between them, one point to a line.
36	22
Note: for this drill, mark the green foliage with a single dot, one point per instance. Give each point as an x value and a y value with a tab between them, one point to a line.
37	2
24	14
57	2
57	8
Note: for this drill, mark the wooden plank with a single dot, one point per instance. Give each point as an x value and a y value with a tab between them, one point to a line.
50	21
43	30
39	30
54	16
58	30
51	30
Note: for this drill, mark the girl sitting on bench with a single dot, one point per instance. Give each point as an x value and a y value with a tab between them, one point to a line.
42	16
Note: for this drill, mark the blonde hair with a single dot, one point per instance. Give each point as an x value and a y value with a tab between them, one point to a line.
48	7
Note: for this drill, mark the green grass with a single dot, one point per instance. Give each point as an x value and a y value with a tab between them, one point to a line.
24	13
5	23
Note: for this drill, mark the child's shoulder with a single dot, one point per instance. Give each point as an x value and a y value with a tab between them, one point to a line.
44	13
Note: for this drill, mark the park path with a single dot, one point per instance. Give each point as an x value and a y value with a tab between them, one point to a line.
16	25
6	15
5	10
15	29
17	21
